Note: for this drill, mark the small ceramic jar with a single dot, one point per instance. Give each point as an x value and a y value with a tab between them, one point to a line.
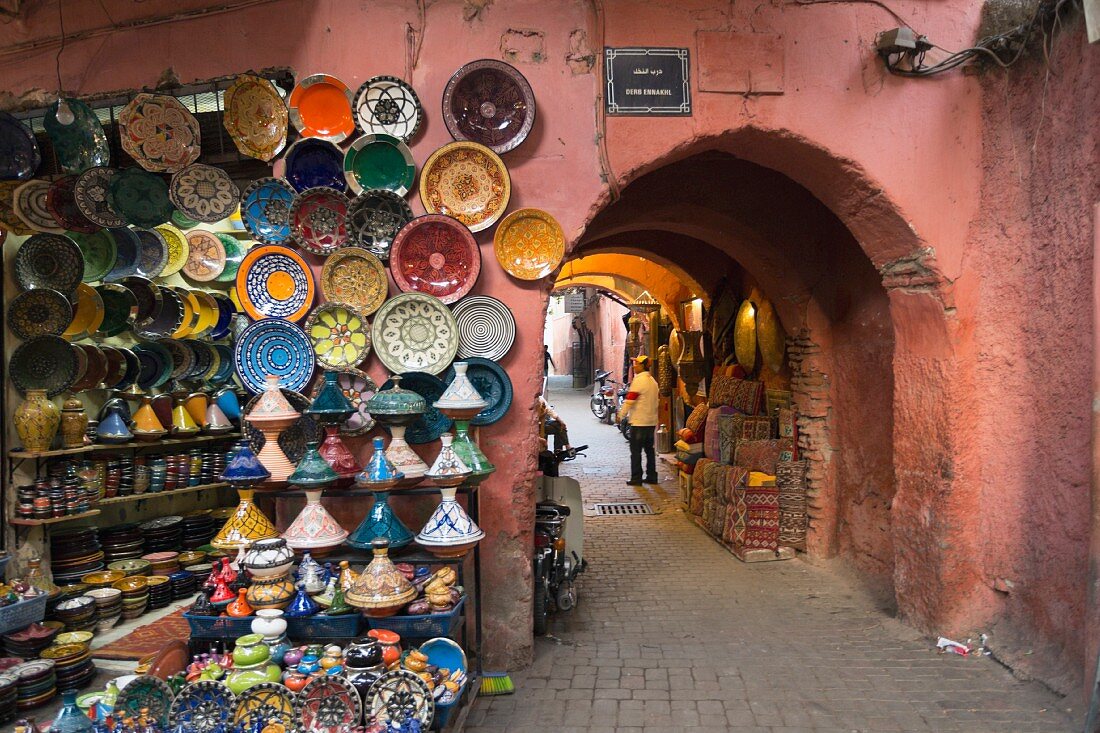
390	643
268	558
269	623
363	654
333	657
250	650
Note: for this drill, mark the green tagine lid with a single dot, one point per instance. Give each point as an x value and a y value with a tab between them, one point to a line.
312	470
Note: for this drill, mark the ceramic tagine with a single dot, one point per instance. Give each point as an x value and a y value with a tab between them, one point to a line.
363	664
311	574
147	426
381	590
380	475
448	469
462	402
331	408
268	561
183	423
215	421
248	523
314	529
271	415
396	406
405	459
449	532
112	428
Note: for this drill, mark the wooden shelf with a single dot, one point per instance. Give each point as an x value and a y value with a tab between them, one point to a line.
159	494
354	492
26	522
107	447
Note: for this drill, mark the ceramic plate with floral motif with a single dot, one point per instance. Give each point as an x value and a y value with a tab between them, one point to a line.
45	362
329	704
145	695
61	201
529	244
489	102
374	219
140	197
275	282
389	106
467	181
397	694
265	209
414	332
204	193
340	335
49	261
437	255
204	706
176	242
353	275
320	106
319	220
255	117
9	220
39	312
90	193
159	133
205	255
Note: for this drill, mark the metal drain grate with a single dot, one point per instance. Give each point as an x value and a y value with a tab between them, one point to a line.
623	509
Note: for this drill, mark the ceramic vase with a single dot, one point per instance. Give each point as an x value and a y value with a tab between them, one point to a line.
470	453
74	423
405	459
381	590
448	469
36	421
271	415
269	623
314	529
449	532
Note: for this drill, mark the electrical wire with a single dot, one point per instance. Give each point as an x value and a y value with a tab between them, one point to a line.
61	48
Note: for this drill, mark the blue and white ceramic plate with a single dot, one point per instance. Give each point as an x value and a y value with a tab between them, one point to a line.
313	162
19	156
491	382
203	707
265	209
433	423
127	253
276	347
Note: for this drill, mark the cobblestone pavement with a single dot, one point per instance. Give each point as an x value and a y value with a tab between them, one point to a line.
673	633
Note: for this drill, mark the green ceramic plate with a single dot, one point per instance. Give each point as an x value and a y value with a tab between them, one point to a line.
99	252
119	309
140	197
379	161
182	220
234	253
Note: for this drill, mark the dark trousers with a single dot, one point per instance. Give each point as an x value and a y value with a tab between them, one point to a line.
641	438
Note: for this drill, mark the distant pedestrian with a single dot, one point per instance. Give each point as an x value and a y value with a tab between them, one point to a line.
641	407
547	360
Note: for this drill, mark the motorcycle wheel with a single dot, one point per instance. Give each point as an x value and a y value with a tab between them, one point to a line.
598	407
542	612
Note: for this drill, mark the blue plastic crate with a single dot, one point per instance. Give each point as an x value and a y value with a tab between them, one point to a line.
219	627
23	613
426	626
324	627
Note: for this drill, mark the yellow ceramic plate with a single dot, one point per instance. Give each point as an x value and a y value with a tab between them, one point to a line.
529	244
88	314
190	313
744	336
208	313
467	181
770	336
255	117
74	637
340	335
354	276
178	249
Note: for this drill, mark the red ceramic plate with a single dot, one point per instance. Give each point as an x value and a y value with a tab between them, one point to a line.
319	220
320	106
436	255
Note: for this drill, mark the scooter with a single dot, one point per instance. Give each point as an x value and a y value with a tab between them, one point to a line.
604	402
559	543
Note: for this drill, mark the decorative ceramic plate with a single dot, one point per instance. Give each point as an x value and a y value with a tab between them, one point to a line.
205	256
486	327
98	251
225	365
139	197
437	255
329	704
159	133
90	193
30	204
273	346
80	144
46	362
182	357
353	275
415	332
168	317
39	312
87	315
205	706
146	295
492	383
358	387
311	163
491	103
182	221
156	364
119	309
19	156
9	220
154	252
127	253
96	367
320	106
190	313
275	282
374	219
234	255
178	249
116	368
145	695
269	702
226	311
319	220
204	193
387	105
265	209
61	202
340	335
255	117
529	244
398	695
379	161
208	311
294	440
427	427
467	181
49	261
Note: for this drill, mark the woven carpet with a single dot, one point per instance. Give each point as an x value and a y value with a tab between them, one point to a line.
147	639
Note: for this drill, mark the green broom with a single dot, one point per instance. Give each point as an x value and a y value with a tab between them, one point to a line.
496	683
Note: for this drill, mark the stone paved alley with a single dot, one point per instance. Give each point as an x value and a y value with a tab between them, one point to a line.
672	633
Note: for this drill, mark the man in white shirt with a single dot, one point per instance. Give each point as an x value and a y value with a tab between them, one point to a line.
641	407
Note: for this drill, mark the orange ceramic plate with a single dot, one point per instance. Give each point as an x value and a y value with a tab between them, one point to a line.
466	181
529	244
275	282
320	106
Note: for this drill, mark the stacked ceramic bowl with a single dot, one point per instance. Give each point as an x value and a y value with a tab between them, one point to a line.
102	578
163	534
9	687
108	604
78	614
122	542
37	683
191	557
160	591
129	568
184	584
162	563
73	665
199	528
28	642
75	553
135	596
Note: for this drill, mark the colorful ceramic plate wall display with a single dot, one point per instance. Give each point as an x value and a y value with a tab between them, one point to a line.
49	261
374	219
119	309
208	311
205	256
428	427
80	144
178	249
319	220
87	313
492	383
311	163
159	133
204	193
156	364
183	359
467	181
204	706
486	327
339	333
413	332
39	312
61	201
30	204
98	251
275	282
491	103
9	220
127	253
255	117
355	276
329	704
386	105
154	252
273	346
225	365
46	362
437	255
265	209
529	244
379	161
190	313
116	367
140	197
358	387
19	155
234	254
90	193
95	367
320	106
